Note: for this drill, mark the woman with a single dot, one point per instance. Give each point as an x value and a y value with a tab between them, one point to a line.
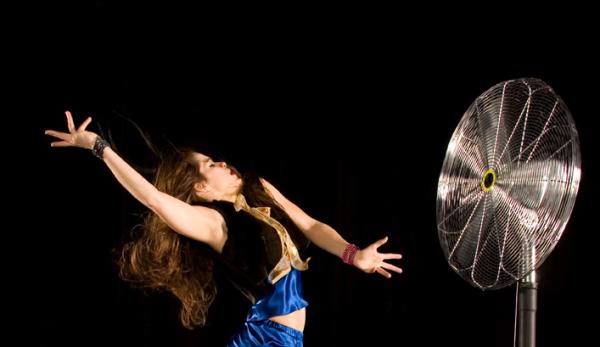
206	218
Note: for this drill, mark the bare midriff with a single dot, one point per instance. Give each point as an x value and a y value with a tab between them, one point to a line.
294	320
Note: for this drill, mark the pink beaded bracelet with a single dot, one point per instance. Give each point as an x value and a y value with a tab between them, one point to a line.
350	253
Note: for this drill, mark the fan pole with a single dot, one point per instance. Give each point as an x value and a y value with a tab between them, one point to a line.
527	308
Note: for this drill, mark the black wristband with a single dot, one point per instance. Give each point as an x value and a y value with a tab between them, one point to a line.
99	147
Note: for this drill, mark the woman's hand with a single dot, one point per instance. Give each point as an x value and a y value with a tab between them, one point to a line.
370	260
75	137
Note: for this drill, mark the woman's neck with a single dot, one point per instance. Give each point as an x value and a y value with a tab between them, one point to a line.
229	197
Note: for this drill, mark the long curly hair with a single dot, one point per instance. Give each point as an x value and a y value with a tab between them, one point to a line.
159	258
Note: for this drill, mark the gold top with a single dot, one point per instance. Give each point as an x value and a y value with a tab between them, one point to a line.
290	256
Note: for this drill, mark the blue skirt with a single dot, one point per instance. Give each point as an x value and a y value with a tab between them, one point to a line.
266	333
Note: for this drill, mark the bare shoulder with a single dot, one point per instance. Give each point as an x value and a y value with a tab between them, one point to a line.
211	214
207	225
300	218
274	192
268	186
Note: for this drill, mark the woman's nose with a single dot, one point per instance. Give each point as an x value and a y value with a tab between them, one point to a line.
222	164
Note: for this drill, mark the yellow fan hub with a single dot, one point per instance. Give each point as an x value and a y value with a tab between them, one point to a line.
488	180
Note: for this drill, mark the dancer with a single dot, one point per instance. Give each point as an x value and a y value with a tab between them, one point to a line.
204	216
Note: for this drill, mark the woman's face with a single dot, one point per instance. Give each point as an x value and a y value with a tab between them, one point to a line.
219	178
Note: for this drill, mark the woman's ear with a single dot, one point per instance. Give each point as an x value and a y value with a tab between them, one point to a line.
201	187
202	190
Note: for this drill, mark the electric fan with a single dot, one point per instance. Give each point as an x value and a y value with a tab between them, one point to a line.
507	188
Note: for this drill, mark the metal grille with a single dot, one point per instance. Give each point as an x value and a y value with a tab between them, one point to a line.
508	183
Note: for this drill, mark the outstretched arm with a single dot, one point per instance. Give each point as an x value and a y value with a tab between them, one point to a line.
324	236
197	222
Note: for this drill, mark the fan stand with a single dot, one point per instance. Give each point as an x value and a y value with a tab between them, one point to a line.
527	309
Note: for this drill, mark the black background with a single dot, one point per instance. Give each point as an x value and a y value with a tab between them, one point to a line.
348	115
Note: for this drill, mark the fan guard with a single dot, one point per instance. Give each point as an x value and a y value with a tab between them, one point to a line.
508	183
